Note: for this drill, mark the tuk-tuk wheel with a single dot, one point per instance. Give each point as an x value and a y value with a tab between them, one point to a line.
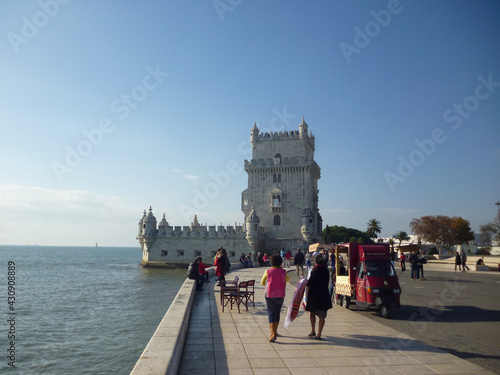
385	311
346	301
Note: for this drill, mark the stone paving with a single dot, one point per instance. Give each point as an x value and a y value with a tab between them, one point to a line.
231	343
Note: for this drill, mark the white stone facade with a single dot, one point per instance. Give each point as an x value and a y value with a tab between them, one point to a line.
282	190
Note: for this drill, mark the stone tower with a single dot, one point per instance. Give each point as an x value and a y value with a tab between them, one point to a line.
283	188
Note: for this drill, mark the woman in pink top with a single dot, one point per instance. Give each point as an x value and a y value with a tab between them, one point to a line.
276	278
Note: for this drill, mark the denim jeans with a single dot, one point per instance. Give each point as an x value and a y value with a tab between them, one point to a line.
415	272
199	282
274	308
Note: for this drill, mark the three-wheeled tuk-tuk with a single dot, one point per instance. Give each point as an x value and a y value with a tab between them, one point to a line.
364	274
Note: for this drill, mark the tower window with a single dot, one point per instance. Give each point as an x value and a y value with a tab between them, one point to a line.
276	201
277	220
279	177
277	159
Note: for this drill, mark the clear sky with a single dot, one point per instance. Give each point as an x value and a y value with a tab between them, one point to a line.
109	107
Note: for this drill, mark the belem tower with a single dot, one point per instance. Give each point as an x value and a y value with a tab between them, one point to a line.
280	207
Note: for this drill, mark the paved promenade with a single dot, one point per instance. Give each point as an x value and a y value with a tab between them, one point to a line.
231	343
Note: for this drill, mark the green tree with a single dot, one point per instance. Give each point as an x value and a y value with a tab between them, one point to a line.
374	227
491	231
391	243
442	230
401	236
338	234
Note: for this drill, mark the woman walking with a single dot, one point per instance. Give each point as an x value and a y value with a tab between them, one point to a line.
318	299
276	278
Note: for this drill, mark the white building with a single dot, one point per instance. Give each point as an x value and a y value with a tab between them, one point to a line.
280	207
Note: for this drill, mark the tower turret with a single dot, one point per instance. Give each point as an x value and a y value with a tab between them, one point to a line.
149	225
303	128
252	228
307	228
254	134
139	233
162	226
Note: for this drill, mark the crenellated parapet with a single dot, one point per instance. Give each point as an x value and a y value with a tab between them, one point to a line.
168	244
202	231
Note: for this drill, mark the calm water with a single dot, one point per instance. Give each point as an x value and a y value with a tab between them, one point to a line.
81	310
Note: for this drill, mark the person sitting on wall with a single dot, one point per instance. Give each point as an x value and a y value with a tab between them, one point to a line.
203	269
193	273
249	260
266	260
243	259
480	262
260	259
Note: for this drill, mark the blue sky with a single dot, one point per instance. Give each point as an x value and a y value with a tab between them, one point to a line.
108	108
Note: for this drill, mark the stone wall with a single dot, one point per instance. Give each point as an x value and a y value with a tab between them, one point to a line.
182	250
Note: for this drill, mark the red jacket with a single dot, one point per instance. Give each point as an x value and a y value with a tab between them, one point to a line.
202	268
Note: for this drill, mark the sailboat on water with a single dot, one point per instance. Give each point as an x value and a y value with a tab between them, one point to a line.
96	245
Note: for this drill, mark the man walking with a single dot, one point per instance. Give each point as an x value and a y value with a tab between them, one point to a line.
298	259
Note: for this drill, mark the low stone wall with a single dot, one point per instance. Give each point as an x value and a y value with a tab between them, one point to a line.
164	350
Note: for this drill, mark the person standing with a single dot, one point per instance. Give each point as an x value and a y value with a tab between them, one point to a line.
318	300
421	261
393	258
458	261
298	259
282	254
402	260
275	278
193	273
332	259
464	261
308	262
221	267
288	256
415	271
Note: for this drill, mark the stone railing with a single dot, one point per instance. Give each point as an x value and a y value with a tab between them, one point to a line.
164	351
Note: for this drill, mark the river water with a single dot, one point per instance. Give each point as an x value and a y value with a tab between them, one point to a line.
79	310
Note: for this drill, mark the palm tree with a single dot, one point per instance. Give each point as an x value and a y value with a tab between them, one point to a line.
391	243
401	236
373	228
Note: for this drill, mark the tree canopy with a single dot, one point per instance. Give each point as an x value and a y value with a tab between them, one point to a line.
374	227
442	230
338	234
401	236
491	231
